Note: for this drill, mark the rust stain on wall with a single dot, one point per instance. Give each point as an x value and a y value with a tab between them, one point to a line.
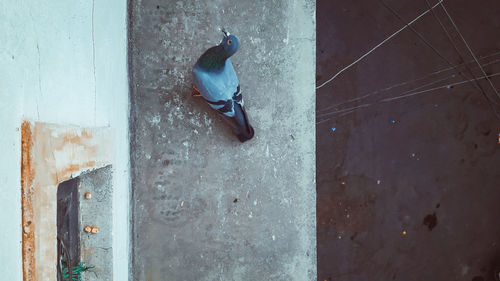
77	139
52	154
27	176
64	152
74	168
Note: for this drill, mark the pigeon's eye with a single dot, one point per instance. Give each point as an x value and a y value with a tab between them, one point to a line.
229	42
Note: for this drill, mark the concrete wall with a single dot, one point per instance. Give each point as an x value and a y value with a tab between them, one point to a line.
96	248
205	206
62	62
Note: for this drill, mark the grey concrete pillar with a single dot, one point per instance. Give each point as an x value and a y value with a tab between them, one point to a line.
206	207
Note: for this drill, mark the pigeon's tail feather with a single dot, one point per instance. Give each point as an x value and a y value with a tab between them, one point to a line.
241	126
243	137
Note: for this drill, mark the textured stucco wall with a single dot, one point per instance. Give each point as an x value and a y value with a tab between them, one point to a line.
65	63
206	207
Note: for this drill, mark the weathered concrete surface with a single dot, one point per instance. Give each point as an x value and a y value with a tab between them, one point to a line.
97	249
206	207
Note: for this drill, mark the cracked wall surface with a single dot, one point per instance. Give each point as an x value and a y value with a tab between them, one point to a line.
62	63
206	207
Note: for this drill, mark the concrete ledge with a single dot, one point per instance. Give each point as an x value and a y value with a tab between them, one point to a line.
97	249
206	207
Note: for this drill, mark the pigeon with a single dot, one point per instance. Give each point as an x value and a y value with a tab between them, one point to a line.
215	80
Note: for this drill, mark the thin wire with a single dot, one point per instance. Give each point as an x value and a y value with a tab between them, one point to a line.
460	73
378	45
428	44
419	35
349	110
409	82
409	91
435	50
470	50
436	88
476	82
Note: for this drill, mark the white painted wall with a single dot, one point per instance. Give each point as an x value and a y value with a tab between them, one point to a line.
62	62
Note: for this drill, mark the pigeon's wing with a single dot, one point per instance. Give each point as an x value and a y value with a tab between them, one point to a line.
218	88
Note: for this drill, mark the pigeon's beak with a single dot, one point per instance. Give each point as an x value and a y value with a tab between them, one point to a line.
226	34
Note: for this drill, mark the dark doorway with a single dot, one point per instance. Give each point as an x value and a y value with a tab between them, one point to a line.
68	229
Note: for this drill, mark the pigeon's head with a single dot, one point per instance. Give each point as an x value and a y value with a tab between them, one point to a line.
230	43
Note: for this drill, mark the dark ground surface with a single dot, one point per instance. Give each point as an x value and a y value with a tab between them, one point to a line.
407	189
